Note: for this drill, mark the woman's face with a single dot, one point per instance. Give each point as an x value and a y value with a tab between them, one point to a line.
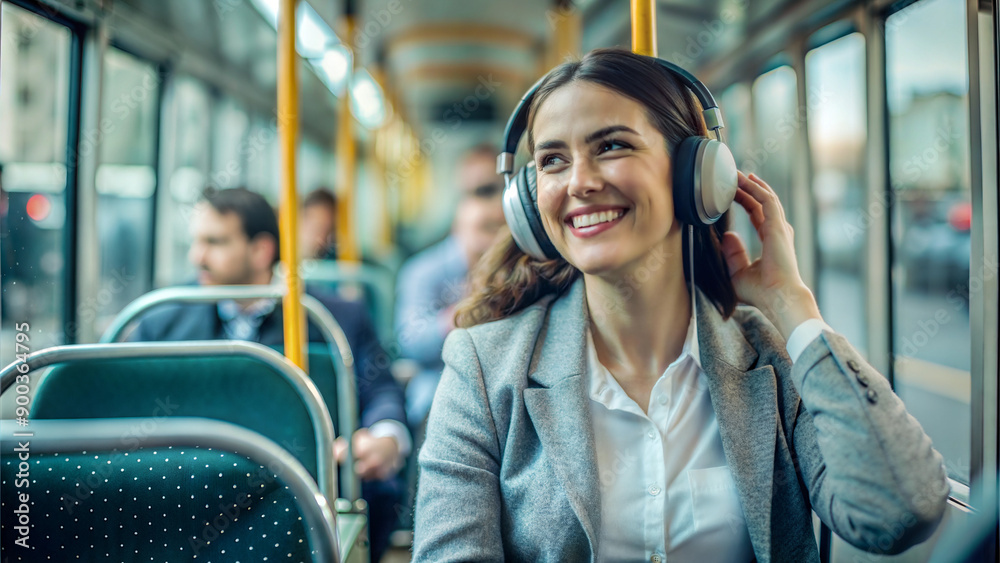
604	189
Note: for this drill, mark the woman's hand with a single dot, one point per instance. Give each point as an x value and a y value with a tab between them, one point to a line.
772	282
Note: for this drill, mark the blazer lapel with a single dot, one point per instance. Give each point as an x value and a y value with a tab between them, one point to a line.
560	411
203	322
744	400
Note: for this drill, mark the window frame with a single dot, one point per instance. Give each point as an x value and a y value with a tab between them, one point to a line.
870	20
77	29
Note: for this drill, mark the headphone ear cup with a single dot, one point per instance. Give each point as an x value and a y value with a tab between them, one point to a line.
704	180
529	175
685	162
520	210
718	181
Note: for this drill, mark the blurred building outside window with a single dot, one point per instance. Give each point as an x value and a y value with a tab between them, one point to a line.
837	139
34	122
930	202
126	181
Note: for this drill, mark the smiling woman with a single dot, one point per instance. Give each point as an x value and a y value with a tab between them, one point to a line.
601	403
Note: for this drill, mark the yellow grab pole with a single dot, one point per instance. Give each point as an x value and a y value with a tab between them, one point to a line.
379	154
566	39
288	111
347	242
644	27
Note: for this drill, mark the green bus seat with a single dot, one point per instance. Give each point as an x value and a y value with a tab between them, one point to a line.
208	497
234	388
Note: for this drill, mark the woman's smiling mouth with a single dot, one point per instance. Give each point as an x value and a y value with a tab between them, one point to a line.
585	225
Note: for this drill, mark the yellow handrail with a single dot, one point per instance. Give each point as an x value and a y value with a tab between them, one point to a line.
347	242
288	127
565	42
644	27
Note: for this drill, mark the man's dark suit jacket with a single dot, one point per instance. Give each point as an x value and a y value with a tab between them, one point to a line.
379	396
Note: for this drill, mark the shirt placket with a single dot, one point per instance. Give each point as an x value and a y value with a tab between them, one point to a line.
656	485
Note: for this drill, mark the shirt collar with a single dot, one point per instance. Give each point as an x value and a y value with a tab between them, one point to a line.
229	309
603	385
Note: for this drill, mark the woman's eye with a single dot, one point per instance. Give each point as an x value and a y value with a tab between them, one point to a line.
548	160
612	144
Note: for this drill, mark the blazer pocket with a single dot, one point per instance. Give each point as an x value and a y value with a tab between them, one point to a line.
715	501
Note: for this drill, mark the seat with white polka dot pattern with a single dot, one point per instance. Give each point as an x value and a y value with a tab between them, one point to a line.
97	491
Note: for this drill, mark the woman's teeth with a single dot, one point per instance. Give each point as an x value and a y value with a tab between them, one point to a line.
592	219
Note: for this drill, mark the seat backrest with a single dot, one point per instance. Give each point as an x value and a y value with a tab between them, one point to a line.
172	499
376	284
323	374
236	389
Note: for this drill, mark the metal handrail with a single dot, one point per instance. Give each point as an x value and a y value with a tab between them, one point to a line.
311	397
64	436
340	348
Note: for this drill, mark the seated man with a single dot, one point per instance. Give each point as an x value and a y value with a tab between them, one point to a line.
317	226
235	242
433	280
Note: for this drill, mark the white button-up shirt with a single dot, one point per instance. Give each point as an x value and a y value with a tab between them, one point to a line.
667	493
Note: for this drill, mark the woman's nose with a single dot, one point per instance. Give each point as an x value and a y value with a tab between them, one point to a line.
585	178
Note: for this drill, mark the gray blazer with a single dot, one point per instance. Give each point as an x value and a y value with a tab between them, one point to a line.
508	471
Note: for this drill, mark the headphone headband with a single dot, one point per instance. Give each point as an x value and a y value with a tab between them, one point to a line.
518	121
704	174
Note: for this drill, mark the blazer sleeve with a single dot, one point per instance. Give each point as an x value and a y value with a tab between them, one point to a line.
458	497
873	476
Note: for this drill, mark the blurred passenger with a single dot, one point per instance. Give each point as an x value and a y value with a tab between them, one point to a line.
432	281
605	403
235	242
318	226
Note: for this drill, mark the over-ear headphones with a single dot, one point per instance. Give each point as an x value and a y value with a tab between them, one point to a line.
704	172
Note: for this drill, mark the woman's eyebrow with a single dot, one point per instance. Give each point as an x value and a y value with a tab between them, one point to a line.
545	145
608	131
600	133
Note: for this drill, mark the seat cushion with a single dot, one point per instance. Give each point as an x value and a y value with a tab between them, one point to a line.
151	505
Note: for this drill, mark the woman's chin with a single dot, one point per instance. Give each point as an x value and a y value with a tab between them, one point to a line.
598	262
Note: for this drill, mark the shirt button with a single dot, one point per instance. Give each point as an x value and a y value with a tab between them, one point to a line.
653	490
662	399
656	559
872	396
853	366
651	434
862	380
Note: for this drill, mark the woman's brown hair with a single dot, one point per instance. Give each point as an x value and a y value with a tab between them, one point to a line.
507	280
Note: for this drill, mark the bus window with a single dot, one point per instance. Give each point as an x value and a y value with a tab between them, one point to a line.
34	120
777	117
264	158
126	180
735	102
185	141
229	130
927	88
835	74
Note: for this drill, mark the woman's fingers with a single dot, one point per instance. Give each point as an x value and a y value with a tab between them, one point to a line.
753	208
771	207
735	252
766	186
763	194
